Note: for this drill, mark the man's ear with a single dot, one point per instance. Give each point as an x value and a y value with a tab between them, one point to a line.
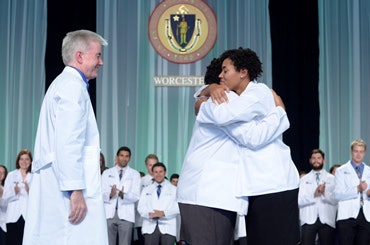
78	55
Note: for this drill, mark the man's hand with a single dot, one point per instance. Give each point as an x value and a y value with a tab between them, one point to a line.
217	92
278	100
113	191
320	190
78	207
362	186
156	214
120	193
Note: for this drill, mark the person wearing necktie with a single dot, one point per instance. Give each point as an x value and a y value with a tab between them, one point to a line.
159	209
121	190
317	204
352	191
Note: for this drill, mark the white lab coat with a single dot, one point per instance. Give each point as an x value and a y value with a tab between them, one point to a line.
267	164
131	181
145	181
149	202
346	182
322	206
17	203
212	165
66	157
3	206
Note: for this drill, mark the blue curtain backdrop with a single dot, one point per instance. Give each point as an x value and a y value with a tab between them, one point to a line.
132	111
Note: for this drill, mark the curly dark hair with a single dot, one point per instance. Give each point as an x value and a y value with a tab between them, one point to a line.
244	58
213	70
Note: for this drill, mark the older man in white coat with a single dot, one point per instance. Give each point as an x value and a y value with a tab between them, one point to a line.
65	199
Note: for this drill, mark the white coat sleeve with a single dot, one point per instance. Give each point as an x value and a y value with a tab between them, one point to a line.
132	192
344	189
306	192
70	130
197	93
329	196
256	134
106	186
172	209
242	108
9	192
144	205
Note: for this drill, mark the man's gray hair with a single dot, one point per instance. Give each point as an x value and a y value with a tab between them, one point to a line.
79	40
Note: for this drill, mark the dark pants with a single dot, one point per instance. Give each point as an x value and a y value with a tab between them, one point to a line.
202	225
325	232
241	241
354	231
14	234
157	238
273	219
140	240
2	237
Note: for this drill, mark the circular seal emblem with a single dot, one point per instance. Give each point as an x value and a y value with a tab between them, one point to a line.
182	31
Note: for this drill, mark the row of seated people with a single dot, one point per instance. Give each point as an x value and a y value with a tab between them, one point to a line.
146	200
142	208
136	212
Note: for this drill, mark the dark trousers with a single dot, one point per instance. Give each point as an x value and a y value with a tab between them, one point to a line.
273	219
14	234
2	237
241	241
354	231
325	232
157	238
140	237
202	225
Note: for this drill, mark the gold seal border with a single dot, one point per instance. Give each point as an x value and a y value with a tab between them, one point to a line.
190	57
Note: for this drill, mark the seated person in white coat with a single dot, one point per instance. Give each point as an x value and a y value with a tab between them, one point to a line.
159	209
121	190
352	183
317	204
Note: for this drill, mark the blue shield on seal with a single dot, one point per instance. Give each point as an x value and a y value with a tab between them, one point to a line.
182	26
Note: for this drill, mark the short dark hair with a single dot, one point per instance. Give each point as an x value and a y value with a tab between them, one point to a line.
333	168
174	176
124	148
315	151
213	71
159	164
